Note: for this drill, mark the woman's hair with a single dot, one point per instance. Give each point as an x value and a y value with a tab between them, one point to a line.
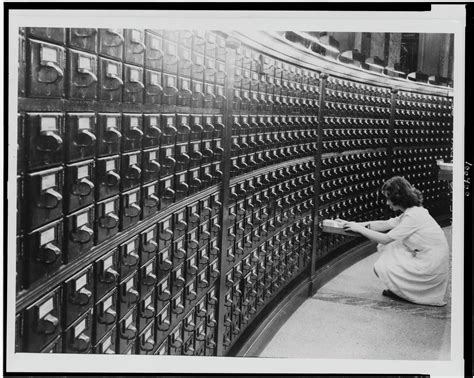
402	193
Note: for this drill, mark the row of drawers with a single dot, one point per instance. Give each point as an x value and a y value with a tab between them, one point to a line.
56	72
249	294
132	45
53	192
48	139
119	310
44	250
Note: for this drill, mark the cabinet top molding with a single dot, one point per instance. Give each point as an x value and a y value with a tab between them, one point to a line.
275	45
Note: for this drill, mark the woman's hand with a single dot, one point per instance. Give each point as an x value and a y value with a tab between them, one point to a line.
353	226
341	221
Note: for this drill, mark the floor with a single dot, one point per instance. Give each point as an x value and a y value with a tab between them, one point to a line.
349	318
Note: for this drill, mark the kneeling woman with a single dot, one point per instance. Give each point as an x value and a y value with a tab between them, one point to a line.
414	259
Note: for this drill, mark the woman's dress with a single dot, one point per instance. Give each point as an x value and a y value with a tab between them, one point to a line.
415	265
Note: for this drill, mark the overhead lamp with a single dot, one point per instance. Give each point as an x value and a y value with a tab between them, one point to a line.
418	76
297	38
354	58
395	71
375	64
330	45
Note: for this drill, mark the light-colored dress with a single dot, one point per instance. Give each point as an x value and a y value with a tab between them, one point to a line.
415	265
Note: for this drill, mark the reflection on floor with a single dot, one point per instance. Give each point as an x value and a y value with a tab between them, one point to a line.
349	318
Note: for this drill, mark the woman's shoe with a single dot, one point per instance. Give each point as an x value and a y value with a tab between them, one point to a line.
392	295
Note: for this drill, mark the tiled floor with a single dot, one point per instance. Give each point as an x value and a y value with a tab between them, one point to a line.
349	318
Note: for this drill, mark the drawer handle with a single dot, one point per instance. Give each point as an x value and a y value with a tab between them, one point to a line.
108	317
112	178
150	247
112	136
151	201
109	276
57	70
49	199
132	211
83	235
153	132
88	73
81	298
49	141
84	32
82	187
49	254
48	325
115	35
109	221
142	46
128	333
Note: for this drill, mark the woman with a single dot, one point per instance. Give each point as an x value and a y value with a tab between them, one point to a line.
414	262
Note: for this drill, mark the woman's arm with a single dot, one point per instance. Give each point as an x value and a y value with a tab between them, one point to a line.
371	234
377	225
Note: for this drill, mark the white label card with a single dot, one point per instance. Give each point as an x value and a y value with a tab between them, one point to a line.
48	124
148	334
132	198
109	262
129	284
109	207
151	190
48	181
82	219
185	84
149	235
130	247
129	320
84	63
80	328
149	268
154	79
109	165
45	308
112	69
111	122
170	81
82	171
133	159
136	36
81	282
171	49
134	121
106	344
198	87
47	236
107	303
147	301
83	123
49	54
